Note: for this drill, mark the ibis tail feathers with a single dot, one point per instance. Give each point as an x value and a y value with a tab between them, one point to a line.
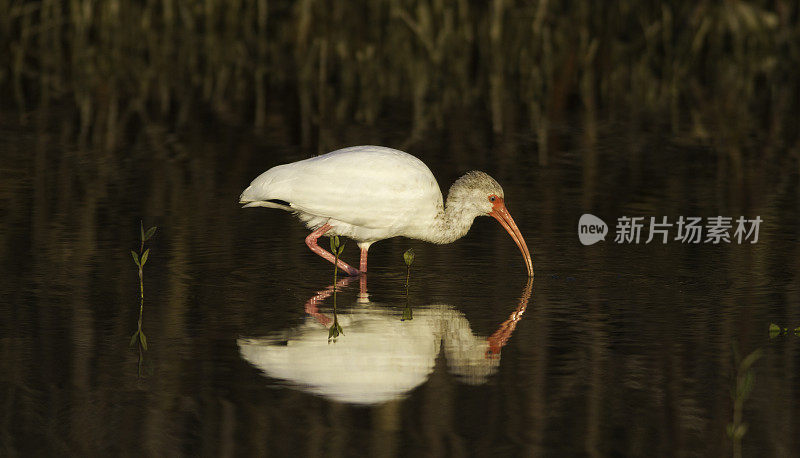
272	203
258	196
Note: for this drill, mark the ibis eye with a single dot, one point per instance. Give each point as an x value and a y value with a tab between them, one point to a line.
492	198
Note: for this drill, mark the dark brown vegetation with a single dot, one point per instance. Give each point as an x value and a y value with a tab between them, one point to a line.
522	65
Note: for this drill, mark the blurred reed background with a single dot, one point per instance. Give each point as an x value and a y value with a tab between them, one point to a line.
526	66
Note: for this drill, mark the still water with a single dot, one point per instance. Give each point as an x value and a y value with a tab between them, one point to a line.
613	349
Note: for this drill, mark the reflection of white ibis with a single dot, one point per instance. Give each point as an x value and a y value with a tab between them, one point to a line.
379	357
371	193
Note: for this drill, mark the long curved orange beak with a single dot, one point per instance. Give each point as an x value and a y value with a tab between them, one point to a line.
500	213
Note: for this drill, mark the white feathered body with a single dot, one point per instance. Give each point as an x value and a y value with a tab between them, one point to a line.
366	193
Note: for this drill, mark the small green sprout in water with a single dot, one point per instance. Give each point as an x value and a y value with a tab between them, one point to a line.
408	257
335	329
140	259
408	313
775	331
743	386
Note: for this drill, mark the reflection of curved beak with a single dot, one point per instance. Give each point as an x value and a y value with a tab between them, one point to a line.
503	333
500	213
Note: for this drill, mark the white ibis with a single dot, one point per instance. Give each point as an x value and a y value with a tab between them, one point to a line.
371	193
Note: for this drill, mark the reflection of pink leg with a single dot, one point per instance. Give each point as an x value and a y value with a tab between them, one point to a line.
311	241
363	297
312	305
506	328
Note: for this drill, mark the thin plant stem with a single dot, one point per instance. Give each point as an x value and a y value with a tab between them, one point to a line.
140	259
335	328
408	277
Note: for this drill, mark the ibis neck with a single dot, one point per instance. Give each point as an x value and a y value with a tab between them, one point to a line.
451	223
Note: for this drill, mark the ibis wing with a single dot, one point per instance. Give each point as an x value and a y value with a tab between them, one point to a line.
359	186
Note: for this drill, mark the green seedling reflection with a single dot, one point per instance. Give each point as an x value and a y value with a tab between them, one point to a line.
139	338
408	257
742	387
775	331
336	249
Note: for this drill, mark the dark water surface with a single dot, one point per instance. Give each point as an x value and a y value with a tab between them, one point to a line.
613	349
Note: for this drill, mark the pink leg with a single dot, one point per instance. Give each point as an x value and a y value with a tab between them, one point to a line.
363	297
363	265
311	241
